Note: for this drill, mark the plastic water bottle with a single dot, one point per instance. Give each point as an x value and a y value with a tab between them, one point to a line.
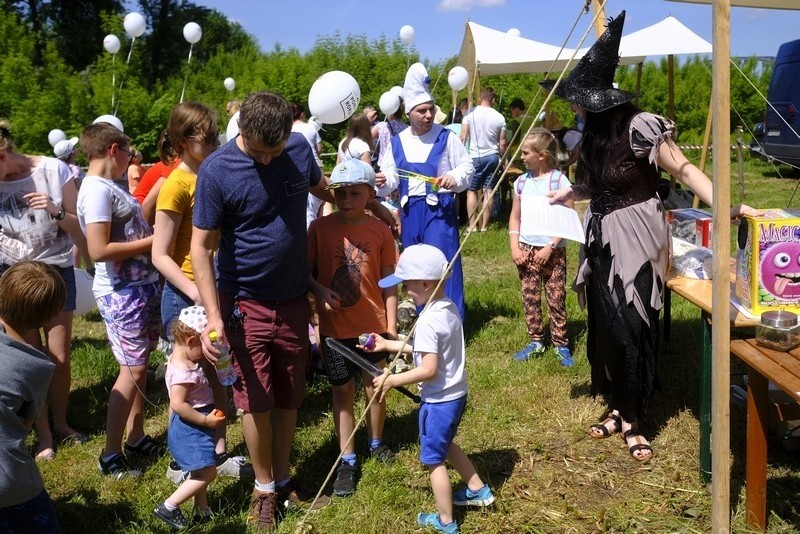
224	365
367	341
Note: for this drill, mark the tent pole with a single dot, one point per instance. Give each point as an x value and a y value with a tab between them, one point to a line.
706	139
671	87
721	333
639	67
600	18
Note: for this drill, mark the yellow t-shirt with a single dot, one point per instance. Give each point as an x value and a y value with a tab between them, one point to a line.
177	195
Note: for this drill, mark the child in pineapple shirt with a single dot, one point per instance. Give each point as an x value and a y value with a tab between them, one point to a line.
350	251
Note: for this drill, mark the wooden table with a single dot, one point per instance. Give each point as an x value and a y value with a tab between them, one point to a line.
699	293
764	366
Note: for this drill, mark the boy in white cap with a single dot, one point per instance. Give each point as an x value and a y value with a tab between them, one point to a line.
351	251
429	211
438	349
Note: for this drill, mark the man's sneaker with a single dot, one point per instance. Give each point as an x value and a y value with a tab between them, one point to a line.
262	511
175	474
565	356
293	497
382	453
345	483
432	521
467	497
146	448
233	466
117	467
531	349
174	518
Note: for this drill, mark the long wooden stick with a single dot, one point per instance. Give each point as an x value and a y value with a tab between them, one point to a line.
721	334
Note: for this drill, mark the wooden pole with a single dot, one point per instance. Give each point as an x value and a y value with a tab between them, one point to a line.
671	87
639	67
721	334
600	19
706	139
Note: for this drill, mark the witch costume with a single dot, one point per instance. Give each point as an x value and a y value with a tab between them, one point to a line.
624	261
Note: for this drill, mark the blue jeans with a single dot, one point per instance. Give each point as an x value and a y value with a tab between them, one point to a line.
35	515
485	176
172	302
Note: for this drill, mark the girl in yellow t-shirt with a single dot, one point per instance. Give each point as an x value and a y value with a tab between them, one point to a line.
191	135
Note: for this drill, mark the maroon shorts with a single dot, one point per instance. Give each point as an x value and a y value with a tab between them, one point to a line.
270	350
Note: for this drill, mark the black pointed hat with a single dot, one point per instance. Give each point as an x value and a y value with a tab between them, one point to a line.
590	84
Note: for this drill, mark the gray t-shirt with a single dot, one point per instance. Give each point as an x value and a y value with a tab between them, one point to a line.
26	376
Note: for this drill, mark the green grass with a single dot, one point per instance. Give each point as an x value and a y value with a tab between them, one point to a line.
525	430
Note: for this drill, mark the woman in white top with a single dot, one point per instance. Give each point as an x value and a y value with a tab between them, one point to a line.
357	144
37	220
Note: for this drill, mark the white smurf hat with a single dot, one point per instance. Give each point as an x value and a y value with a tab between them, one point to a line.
415	88
417	262
64	148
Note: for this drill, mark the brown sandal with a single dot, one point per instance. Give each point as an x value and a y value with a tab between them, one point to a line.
637	447
617	426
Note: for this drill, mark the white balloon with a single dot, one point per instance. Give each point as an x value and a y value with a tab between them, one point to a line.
397	90
514	32
110	119
55	136
334	97
111	43
192	32
134	24
389	103
407	34
84	297
457	78
230	84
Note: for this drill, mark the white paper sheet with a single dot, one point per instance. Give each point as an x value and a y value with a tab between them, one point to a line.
542	218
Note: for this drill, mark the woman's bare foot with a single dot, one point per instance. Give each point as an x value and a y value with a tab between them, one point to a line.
640	449
610	425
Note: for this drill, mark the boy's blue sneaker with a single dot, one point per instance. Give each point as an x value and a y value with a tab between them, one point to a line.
565	355
467	497
531	349
432	520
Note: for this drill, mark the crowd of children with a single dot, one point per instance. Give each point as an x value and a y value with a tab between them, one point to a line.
144	285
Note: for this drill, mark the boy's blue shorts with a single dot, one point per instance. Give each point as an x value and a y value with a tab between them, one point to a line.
438	424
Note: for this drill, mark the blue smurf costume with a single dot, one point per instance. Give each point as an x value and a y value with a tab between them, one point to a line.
429	215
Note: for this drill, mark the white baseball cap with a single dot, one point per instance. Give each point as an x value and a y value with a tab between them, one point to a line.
418	262
352	172
64	148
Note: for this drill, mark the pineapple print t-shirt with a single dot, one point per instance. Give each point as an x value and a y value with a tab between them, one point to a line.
103	201
349	261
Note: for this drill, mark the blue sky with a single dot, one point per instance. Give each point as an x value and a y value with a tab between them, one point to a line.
439	24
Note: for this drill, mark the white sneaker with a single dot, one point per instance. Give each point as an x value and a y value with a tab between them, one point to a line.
175	474
235	467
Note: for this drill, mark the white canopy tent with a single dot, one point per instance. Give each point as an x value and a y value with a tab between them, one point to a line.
668	37
764	4
488	52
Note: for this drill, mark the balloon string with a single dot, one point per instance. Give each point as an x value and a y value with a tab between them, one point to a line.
185	78
122	78
113	79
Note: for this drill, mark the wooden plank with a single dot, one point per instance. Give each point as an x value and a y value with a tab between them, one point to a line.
756	461
781	368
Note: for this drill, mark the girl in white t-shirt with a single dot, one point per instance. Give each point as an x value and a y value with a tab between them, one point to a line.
357	144
540	259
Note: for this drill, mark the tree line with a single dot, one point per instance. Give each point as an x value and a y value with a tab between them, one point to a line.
56	74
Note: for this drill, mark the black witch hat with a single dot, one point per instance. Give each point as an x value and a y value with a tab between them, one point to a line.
590	84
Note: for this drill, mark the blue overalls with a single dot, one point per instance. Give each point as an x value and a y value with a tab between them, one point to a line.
431	219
